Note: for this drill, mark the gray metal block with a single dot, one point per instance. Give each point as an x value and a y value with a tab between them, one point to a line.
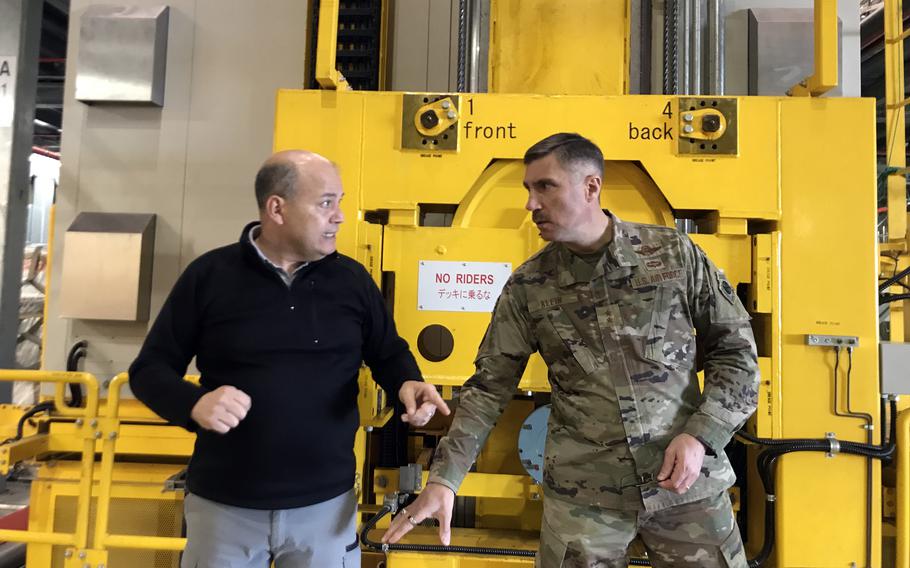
781	50
122	54
895	368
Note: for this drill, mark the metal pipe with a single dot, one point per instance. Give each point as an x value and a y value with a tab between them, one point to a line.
472	72
716	43
145	542
462	43
695	48
684	46
671	41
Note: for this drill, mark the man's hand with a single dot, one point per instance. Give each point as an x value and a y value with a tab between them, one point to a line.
682	463
222	409
420	402
434	501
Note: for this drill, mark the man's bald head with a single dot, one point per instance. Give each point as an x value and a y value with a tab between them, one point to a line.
282	173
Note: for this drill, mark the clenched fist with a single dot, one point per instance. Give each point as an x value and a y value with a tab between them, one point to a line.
222	409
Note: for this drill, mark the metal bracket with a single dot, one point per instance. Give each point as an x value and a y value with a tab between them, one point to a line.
708	126
429	122
84	558
834	445
410	478
814	340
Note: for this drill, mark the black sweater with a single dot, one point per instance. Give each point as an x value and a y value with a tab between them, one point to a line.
296	351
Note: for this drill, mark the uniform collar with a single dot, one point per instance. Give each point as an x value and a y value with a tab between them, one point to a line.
617	261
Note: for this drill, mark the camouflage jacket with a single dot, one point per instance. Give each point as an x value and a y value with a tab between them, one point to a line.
619	338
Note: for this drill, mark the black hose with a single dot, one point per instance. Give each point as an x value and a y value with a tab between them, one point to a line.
890	281
77	352
438	548
20	427
378	546
888	298
776	448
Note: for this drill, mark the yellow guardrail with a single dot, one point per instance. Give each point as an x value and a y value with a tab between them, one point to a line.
903	489
89	431
103	539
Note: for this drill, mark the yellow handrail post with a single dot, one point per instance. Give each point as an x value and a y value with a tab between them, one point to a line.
896	155
111	426
825	76
89	432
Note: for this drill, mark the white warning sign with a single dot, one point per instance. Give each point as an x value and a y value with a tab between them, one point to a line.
460	286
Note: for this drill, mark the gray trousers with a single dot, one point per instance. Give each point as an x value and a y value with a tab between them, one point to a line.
323	535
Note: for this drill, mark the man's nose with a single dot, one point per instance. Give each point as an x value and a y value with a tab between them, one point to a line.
338	217
531	204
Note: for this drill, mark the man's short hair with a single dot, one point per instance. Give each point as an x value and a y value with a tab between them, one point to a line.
569	149
279	179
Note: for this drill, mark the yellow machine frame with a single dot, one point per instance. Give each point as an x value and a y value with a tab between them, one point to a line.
793	229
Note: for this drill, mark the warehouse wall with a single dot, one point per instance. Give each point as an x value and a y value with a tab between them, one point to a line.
191	162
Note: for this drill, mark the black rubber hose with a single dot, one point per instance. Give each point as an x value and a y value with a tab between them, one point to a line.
890	281
77	352
776	448
20	427
380	547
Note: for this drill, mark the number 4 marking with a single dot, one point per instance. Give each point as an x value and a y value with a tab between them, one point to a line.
668	110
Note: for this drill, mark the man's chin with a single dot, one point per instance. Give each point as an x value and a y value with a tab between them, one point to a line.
546	235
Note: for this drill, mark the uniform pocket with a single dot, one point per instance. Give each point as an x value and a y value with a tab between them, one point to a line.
552	551
577	327
732	550
666	332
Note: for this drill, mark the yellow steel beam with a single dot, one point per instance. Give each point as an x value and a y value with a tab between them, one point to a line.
895	121
48	265
20	450
474	485
826	57
327	74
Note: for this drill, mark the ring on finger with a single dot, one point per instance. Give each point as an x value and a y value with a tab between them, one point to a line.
413	522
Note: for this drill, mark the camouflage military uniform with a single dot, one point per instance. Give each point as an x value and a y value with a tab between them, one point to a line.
619	338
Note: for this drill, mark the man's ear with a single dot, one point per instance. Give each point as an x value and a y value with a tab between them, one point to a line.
274	209
592	188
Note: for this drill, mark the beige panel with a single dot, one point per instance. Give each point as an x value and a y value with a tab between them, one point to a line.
233	111
410	45
439	45
192	163
101	276
123	159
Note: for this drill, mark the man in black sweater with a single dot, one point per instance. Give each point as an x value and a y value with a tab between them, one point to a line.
279	324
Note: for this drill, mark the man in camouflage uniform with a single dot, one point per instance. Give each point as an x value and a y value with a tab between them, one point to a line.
617	310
